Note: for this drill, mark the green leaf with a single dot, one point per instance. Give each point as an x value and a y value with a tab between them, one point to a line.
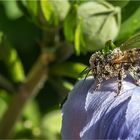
11	9
80	45
68	69
67	85
51	125
129	10
54	11
120	3
13	63
70	24
29	123
33	6
31	113
78	38
130	26
47	9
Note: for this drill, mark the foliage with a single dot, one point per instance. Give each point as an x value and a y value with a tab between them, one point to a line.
44	46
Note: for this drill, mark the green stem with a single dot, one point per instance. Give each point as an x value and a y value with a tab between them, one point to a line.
32	85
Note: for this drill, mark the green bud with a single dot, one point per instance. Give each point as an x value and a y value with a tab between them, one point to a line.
100	22
54	11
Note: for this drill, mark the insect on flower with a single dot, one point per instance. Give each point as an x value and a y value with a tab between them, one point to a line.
117	62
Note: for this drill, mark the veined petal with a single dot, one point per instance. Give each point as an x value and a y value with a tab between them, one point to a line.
100	114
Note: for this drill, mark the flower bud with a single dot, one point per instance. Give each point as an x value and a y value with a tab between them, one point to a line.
100	22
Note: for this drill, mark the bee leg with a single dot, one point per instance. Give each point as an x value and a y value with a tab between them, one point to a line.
98	84
137	76
120	79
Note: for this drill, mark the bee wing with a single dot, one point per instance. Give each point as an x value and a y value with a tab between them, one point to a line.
133	42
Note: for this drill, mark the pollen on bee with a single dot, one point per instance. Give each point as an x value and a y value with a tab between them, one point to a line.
115	63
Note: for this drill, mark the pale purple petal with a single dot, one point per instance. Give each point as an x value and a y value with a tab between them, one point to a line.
89	114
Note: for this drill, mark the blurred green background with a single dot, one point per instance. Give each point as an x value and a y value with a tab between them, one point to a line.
44	46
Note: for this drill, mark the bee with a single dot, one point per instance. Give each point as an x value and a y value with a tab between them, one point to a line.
117	62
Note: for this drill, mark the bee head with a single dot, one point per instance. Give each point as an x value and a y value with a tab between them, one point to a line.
95	59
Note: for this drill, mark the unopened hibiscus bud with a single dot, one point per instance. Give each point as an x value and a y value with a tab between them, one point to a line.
100	21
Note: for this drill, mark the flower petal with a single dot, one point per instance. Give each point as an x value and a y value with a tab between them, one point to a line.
100	114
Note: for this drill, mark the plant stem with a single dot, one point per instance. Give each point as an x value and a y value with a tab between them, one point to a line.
32	85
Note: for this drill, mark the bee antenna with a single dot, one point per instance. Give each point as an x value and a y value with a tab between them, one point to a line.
85	71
